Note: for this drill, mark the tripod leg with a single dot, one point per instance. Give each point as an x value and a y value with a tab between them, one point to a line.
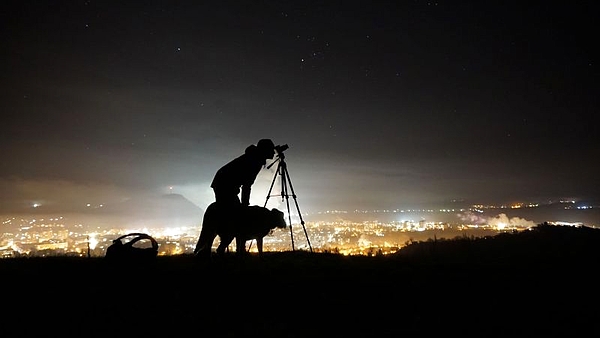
272	184
285	181
287	174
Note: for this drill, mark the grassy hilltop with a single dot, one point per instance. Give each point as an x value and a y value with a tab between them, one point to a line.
539	282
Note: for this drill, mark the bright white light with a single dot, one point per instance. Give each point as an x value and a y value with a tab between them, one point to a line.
172	232
92	241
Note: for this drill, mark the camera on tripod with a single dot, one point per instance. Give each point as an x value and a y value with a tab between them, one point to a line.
284	178
281	148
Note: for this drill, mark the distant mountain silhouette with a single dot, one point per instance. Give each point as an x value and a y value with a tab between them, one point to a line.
168	210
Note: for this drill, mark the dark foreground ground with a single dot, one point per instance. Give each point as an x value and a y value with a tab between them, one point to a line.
538	284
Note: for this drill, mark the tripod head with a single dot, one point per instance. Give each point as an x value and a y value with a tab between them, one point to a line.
280	155
280	149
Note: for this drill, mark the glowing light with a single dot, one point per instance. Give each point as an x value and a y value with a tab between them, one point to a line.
172	232
92	241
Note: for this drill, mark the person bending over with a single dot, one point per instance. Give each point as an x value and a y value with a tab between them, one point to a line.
240	173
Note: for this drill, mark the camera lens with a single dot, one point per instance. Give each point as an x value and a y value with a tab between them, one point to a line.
281	148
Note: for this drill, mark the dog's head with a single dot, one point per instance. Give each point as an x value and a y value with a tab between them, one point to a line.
277	218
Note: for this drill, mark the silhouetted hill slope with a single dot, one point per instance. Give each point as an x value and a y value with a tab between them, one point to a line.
544	242
537	283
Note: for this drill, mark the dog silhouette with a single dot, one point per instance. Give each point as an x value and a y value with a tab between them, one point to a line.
243	224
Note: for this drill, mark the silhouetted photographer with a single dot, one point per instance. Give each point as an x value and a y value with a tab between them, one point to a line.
240	174
224	216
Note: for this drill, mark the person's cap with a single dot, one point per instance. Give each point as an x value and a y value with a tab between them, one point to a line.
266	144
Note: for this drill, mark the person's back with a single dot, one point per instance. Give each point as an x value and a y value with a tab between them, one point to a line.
240	173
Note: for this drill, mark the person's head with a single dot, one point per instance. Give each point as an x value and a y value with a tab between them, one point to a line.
266	147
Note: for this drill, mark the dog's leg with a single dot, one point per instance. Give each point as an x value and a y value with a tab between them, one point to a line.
240	245
225	241
259	245
205	241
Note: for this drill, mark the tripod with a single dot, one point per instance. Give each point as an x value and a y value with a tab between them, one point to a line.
285	181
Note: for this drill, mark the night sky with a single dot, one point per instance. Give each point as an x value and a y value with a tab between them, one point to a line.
384	104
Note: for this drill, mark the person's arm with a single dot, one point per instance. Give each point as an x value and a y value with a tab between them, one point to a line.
246	195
